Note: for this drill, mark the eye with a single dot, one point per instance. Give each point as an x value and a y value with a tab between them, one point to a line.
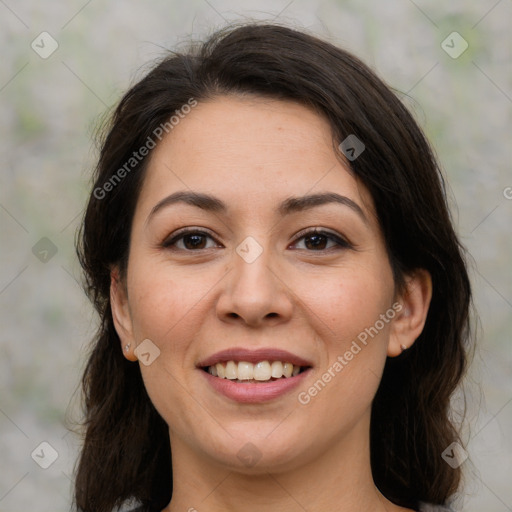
192	239
317	240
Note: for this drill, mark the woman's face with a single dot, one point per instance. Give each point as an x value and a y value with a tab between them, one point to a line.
250	281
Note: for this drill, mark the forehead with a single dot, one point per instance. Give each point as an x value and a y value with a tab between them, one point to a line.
250	151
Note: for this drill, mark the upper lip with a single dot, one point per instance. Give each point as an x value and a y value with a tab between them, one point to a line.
253	356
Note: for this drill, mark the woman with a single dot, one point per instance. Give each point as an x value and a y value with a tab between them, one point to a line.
283	299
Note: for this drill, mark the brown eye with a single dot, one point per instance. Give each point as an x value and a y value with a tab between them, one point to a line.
318	240
188	240
194	241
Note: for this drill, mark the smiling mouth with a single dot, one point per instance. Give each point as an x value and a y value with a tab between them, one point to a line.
244	372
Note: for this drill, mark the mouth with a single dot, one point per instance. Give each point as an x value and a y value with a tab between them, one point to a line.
254	376
245	372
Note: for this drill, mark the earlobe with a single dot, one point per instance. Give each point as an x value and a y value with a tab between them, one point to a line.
121	315
409	323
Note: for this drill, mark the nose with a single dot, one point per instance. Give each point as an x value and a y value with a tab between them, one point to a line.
254	293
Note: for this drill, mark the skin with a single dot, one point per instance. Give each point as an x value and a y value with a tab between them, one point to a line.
252	153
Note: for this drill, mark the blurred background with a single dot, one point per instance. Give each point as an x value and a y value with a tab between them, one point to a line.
64	65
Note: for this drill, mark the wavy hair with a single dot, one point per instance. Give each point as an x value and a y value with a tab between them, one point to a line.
126	453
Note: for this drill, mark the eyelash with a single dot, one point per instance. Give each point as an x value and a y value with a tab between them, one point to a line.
340	242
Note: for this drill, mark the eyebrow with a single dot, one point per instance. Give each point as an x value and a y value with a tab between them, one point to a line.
288	206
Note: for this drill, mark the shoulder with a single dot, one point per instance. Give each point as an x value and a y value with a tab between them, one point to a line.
426	507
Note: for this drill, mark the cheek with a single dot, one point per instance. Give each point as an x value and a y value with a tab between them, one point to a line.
169	305
349	302
158	292
355	348
353	337
162	309
158	305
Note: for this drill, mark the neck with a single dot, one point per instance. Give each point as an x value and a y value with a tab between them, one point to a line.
339	479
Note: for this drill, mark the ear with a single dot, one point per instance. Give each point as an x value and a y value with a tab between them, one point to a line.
121	314
409	322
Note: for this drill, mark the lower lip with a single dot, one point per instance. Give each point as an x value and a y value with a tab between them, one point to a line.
255	392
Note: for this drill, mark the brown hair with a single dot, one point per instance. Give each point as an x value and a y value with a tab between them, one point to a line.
126	452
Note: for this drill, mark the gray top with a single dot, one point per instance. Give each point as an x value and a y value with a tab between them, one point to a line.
426	507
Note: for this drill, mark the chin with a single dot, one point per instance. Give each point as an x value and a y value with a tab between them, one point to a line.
258	454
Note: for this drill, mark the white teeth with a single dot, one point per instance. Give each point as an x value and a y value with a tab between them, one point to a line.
277	369
231	370
262	371
243	371
220	370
